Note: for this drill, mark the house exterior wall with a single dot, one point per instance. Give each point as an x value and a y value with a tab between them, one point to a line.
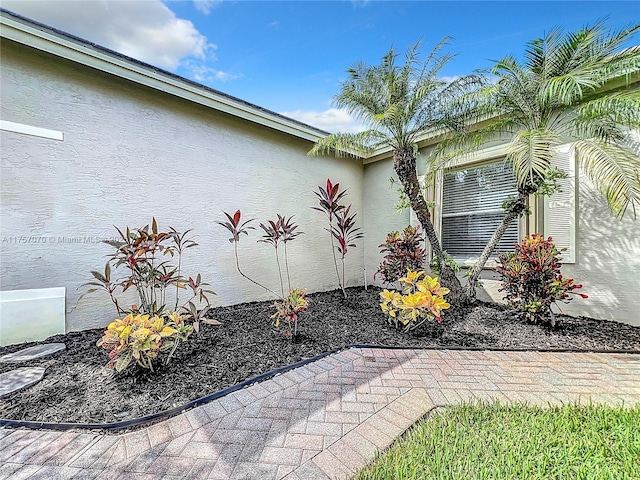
130	153
607	249
607	260
380	216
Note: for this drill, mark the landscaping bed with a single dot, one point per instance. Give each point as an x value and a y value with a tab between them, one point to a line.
76	387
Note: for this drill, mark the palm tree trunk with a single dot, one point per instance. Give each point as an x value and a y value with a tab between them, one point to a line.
518	209
404	163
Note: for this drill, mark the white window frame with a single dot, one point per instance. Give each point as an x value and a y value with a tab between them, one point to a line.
434	193
539	220
521	222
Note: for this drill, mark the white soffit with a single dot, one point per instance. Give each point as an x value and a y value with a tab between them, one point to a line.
41	38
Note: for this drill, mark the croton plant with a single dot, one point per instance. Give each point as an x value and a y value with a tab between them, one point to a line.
421	299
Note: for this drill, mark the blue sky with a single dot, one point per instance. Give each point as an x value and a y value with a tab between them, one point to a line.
290	56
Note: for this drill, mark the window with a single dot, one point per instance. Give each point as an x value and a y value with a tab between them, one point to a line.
472	209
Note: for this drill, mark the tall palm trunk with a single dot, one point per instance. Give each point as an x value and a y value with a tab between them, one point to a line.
404	163
518	209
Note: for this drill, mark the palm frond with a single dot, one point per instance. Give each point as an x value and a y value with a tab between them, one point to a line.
515	91
569	88
614	58
615	170
585	60
621	109
461	146
400	101
621	65
531	152
539	53
348	144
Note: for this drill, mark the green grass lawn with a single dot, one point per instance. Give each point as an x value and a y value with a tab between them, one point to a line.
493	441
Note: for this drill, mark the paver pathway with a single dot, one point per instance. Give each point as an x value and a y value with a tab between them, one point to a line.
323	420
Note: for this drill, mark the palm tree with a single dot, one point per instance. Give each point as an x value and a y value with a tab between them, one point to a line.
570	87
399	104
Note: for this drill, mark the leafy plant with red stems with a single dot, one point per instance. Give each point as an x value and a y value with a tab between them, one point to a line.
236	228
346	233
140	252
344	230
329	199
272	235
532	280
287	232
401	252
282	230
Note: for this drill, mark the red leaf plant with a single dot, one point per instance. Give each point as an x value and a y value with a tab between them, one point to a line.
276	232
341	224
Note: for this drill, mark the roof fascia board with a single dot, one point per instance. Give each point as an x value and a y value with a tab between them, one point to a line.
83	54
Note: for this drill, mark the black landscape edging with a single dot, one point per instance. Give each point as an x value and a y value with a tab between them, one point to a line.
264	376
135	422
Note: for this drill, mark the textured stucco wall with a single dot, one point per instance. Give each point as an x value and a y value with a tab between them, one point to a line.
130	153
607	260
380	199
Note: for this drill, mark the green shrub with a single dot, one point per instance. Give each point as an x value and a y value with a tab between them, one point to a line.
401	252
143	254
532	280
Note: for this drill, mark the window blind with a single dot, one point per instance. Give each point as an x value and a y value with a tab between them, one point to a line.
472	209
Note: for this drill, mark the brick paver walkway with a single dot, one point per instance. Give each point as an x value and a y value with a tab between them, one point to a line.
323	420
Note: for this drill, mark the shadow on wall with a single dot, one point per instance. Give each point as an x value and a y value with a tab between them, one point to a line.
607	261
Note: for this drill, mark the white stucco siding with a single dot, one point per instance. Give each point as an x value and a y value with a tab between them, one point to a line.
380	200
130	153
607	260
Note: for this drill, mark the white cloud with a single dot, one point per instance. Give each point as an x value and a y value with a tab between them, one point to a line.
332	120
205	6
204	74
143	29
359	3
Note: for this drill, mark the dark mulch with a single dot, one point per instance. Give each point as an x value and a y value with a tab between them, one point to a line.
77	389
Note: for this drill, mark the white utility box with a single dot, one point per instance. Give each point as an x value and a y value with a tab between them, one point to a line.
31	315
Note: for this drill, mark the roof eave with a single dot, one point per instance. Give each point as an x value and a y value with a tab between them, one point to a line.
44	38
